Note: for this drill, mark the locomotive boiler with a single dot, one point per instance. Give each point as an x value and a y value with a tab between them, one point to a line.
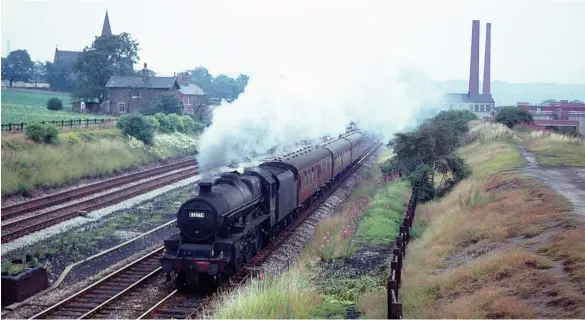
235	216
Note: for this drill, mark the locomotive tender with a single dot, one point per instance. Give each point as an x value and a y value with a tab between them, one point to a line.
234	217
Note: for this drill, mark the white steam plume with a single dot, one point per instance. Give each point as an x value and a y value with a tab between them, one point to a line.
334	67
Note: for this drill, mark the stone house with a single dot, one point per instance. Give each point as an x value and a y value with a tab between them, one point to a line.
130	94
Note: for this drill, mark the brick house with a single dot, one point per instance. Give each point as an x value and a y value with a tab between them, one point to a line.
130	94
194	98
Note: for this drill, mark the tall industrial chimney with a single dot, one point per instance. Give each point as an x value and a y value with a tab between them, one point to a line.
474	66
487	59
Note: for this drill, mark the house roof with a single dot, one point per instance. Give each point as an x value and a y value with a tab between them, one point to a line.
67	57
191	90
141	82
464	97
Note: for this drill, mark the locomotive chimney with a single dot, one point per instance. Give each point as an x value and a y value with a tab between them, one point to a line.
205	187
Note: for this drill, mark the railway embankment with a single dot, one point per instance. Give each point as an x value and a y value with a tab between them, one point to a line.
340	270
508	241
76	158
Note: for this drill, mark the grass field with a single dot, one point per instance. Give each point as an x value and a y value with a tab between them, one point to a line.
31	106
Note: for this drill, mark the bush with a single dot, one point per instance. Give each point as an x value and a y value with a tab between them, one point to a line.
54	104
73	138
188	123
40	132
138	127
154	121
165	103
175	122
164	125
511	116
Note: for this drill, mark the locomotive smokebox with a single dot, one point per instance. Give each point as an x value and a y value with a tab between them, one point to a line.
205	187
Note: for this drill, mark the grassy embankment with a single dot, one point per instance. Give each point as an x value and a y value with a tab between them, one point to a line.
333	274
81	154
31	106
554	149
499	245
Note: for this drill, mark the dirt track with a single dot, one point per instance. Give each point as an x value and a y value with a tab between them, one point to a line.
567	181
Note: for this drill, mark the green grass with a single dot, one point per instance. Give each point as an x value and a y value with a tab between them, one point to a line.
31	106
288	296
380	223
88	153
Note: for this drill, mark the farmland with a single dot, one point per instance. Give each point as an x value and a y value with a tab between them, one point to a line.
31	106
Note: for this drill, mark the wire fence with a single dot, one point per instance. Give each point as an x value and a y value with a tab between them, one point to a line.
398	254
63	124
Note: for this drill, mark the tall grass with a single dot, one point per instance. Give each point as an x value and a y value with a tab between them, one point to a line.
288	296
27	165
553	149
462	266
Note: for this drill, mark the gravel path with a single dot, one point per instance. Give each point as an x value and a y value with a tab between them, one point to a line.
567	181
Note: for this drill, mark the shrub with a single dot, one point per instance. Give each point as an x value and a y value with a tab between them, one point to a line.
154	121
138	127
164	125
166	103
198	126
40	132
175	122
188	123
73	138
54	104
511	116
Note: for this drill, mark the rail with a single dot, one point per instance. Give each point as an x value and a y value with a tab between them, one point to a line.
396	264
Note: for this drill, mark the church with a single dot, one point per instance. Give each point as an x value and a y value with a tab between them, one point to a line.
69	57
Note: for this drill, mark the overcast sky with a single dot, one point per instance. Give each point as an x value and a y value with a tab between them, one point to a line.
532	40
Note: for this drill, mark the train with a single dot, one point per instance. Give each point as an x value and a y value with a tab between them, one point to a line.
235	216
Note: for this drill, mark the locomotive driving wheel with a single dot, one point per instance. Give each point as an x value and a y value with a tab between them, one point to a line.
257	242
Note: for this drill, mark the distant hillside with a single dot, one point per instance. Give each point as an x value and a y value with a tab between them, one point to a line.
507	93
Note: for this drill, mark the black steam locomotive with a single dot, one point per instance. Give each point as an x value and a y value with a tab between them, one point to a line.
235	216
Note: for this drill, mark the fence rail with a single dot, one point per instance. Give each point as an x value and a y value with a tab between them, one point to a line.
63	124
398	254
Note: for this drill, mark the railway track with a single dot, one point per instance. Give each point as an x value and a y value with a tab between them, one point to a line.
179	306
11	211
24	221
112	293
100	298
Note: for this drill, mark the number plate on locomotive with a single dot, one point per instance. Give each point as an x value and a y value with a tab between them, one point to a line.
195	214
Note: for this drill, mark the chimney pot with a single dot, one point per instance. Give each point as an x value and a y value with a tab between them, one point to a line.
205	187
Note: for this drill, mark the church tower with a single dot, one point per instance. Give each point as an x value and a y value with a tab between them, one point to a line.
106	29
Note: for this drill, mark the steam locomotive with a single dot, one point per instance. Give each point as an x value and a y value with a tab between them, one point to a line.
234	217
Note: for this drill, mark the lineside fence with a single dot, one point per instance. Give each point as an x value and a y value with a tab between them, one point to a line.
64	124
398	254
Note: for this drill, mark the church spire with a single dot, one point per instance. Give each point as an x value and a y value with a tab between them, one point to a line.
106	30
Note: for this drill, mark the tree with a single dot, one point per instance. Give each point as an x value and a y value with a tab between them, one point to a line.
221	87
17	66
429	150
107	56
511	116
165	103
39	71
59	76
